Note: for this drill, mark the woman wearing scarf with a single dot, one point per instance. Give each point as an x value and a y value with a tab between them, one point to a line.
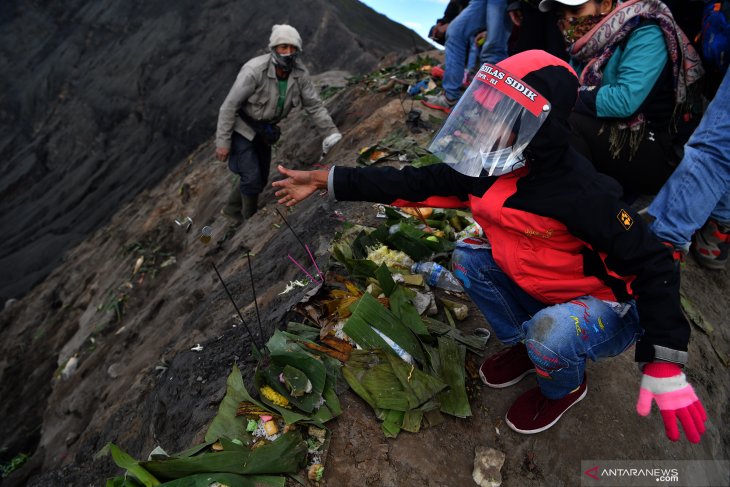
636	67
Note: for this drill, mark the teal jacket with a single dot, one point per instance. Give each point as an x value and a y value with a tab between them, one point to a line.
629	76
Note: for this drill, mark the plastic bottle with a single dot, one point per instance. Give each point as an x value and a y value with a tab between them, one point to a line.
437	276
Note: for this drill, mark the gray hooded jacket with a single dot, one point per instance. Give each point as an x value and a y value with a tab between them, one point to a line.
256	89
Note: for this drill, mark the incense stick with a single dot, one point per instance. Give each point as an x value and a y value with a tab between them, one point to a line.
255	302
232	301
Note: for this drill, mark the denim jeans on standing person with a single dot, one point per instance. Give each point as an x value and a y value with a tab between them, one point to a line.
478	15
559	338
700	186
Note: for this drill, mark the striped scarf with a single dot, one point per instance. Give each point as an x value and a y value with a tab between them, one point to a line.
597	46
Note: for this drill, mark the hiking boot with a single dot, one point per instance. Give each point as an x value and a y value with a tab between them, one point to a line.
439	102
250	205
532	412
507	367
711	245
232	209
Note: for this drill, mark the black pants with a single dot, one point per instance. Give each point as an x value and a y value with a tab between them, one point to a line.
251	160
644	173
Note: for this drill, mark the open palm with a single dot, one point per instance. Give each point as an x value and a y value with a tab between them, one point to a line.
298	185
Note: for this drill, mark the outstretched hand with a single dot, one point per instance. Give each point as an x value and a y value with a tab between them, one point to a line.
298	185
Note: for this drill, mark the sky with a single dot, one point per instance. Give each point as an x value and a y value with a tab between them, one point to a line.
419	15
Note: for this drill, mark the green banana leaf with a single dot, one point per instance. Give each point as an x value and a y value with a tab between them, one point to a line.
414	248
401	303
227	479
418	386
385	388
398	391
285	455
302	330
350	376
368	313
285	351
193	450
122	482
226	424
392	424
474	343
426	160
412	421
385	279
132	466
269	376
453	401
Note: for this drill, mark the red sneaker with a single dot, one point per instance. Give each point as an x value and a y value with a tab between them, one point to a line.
439	102
507	367
532	412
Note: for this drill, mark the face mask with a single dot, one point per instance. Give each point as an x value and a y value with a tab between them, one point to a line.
502	161
576	27
284	62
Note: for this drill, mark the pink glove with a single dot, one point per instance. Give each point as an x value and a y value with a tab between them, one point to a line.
667	385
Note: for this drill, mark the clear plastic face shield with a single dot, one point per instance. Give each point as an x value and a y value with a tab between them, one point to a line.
489	129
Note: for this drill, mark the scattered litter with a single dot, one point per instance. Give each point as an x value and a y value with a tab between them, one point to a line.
70	367
487	465
294	284
396	348
459	310
157	454
138	264
114	370
205	235
416	125
482	332
423	301
417	88
197	348
185	223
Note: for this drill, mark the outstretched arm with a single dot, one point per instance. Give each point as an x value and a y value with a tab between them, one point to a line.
298	185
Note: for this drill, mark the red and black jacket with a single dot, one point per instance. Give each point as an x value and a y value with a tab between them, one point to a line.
557	227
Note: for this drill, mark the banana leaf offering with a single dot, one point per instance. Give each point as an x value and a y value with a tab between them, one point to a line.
253	441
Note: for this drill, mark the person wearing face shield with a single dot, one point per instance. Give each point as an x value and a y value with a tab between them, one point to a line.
567	272
638	74
266	89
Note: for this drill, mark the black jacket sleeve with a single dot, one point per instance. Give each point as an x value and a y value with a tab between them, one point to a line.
612	228
388	184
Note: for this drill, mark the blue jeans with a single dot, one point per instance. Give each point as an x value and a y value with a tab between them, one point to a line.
559	338
700	186
478	15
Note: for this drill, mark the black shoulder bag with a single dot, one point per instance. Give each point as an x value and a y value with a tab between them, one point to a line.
268	132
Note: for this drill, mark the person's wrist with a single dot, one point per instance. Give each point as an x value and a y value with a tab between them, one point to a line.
320	178
662	369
